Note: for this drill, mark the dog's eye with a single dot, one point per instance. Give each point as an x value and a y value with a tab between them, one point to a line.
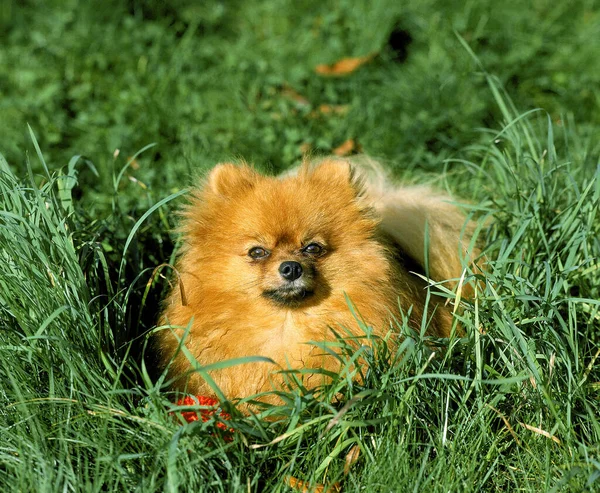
313	249
258	253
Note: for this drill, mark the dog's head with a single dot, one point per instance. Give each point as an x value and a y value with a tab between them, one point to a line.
288	241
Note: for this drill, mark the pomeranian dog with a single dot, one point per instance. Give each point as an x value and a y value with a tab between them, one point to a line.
268	263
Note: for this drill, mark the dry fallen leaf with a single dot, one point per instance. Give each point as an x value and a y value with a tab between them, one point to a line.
351	457
346	148
344	66
295	96
330	109
336	109
306	487
133	163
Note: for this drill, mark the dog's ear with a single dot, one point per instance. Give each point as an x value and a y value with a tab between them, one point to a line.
336	171
229	179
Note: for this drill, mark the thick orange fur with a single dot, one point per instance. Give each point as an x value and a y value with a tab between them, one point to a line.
367	233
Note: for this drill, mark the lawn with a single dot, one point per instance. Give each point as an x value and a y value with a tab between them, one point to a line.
111	110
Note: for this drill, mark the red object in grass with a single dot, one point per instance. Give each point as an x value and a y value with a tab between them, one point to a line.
203	414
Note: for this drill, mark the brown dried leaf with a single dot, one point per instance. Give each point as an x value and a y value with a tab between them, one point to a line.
351	457
133	163
344	66
336	109
306	487
330	109
346	148
291	94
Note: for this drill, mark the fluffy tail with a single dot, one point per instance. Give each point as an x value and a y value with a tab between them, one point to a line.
426	224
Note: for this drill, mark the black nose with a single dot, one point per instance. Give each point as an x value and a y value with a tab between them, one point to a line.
290	270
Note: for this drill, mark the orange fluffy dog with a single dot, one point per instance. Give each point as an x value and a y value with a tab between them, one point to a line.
267	263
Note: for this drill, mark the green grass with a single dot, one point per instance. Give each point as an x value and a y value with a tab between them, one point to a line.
513	405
